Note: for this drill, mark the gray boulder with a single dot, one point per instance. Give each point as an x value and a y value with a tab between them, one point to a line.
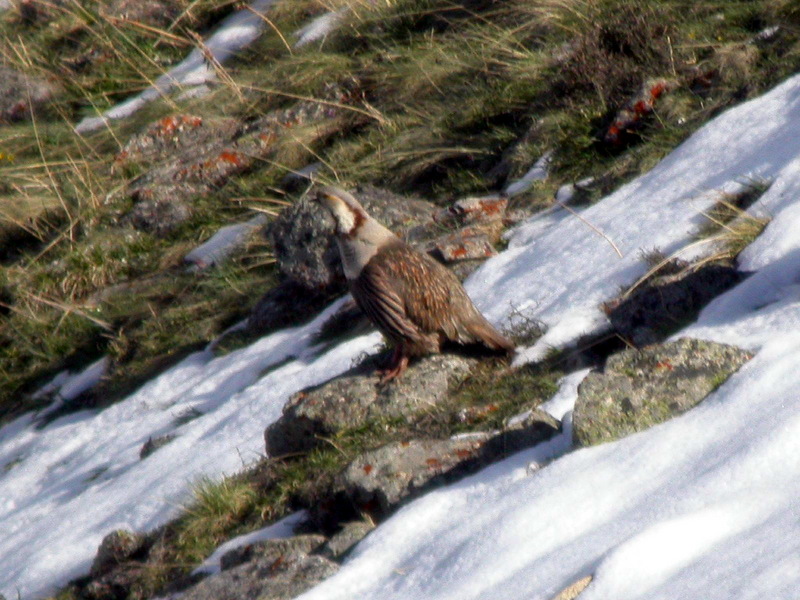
641	388
302	236
278	570
379	480
356	396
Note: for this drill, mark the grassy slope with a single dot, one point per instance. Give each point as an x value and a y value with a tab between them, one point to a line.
445	98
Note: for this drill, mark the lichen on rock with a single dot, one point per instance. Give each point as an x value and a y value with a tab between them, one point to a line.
356	396
641	388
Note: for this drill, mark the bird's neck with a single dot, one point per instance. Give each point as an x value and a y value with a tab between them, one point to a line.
359	246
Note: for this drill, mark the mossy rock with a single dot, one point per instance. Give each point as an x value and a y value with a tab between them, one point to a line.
641	388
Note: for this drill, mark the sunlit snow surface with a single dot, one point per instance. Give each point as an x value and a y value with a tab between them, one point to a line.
704	506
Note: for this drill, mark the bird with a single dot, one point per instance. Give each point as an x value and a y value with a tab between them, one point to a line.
416	302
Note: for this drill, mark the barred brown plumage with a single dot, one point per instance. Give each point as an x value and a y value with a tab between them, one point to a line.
416	303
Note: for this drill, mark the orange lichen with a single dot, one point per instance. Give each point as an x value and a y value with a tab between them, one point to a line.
237	159
631	115
493	206
169	125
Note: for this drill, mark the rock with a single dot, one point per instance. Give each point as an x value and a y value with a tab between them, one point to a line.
306	254
116	548
354	397
161	215
115	585
474	211
22	94
479	223
350	534
278	572
668	302
457	247
378	480
271	549
631	116
640	388
302	236
166	138
187	157
153	444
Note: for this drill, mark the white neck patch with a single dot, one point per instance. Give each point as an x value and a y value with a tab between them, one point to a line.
345	218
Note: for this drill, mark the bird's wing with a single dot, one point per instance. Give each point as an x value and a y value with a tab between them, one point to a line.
377	294
435	301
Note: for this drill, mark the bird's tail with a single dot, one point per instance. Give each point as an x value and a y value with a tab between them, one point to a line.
485	332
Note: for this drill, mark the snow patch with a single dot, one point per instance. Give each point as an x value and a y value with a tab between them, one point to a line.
281	529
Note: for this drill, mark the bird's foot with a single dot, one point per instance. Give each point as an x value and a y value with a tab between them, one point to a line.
397	365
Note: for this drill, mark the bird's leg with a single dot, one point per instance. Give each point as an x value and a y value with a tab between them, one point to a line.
397	364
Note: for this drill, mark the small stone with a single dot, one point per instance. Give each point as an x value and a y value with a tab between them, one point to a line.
159	215
116	548
154	443
379	479
458	247
473	210
343	541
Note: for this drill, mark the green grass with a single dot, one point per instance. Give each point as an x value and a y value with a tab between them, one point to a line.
730	226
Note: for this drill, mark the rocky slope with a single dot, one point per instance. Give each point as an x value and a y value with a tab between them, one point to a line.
146	240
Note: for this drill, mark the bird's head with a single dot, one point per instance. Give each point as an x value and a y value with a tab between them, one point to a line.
345	209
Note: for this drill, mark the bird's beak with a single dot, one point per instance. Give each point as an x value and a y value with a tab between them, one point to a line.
325	197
